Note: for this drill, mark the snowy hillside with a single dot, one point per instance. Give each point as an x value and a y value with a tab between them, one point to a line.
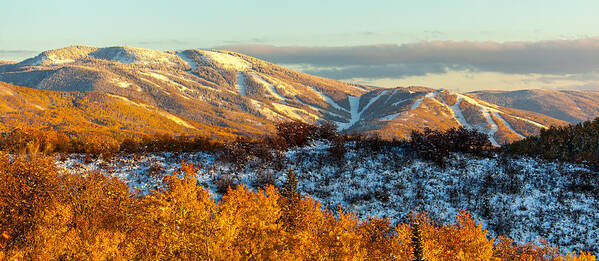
248	95
523	198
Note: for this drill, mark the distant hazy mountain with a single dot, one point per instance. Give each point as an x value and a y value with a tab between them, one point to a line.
246	95
570	106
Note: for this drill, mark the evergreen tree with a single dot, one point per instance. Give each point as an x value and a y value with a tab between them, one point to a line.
289	189
417	241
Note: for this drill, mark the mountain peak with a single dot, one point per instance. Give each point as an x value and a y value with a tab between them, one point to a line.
135	55
121	54
59	56
246	94
226	60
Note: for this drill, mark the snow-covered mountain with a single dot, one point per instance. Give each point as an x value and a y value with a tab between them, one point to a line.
567	105
247	95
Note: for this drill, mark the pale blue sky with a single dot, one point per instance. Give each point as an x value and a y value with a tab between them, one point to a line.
40	25
30	26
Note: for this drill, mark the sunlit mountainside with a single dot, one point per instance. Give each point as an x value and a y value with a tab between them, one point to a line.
245	95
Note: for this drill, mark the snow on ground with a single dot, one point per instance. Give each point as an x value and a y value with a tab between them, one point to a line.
265	111
176	119
389	117
507	124
125	84
37	61
400	102
356	113
390	96
488	107
226	60
58	60
125	99
138	56
156	76
484	110
328	100
267	86
163	78
124	57
354	106
523	198
192	64
493	129
240	84
531	122
372	100
6	91
430	95
51	59
457	112
294	113
37	107
416	104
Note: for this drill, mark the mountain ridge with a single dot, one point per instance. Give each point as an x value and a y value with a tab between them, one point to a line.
573	106
249	96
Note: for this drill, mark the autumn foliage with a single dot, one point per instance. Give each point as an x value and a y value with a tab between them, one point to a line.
49	216
36	141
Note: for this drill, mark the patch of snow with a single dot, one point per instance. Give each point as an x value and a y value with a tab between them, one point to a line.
57	60
240	84
227	61
400	102
329	100
390	117
531	122
6	91
430	95
123	57
163	78
37	61
38	107
267	85
292	112
51	59
493	129
507	124
374	99
475	102
157	76
187	60
265	111
416	104
457	113
176	119
484	110
335	115
355	112
120	83
454	109
354	106
134	55
125	99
